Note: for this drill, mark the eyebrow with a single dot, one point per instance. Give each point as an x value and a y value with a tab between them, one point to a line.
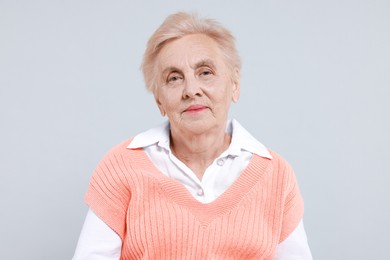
201	63
205	62
169	69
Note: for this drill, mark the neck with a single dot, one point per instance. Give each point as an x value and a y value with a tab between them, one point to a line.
199	151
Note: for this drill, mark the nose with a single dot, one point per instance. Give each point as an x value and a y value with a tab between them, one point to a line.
192	88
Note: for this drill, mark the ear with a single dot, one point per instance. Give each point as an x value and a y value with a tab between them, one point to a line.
236	85
160	106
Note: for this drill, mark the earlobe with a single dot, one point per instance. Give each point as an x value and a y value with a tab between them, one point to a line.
236	92
236	86
162	111
160	106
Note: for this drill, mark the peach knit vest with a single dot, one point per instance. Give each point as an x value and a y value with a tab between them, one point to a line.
157	218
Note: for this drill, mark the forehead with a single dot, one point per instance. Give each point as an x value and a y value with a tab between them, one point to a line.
189	51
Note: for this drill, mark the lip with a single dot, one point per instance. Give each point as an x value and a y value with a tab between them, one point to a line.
195	108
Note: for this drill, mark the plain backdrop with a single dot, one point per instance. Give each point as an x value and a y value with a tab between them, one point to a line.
315	88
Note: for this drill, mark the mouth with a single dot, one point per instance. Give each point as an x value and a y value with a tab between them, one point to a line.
195	108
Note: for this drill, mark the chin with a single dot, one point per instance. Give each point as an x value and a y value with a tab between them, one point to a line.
197	127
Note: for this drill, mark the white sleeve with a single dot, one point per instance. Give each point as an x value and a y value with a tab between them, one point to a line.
295	246
97	241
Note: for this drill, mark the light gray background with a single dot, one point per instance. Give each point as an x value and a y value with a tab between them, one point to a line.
315	88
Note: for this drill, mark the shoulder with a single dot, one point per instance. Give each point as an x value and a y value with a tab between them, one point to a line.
279	161
122	146
113	165
281	171
118	149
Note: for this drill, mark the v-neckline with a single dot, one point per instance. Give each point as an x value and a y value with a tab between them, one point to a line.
175	191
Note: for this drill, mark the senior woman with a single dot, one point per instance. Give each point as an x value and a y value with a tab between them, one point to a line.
199	186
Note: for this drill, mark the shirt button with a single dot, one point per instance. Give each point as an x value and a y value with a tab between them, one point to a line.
200	192
220	162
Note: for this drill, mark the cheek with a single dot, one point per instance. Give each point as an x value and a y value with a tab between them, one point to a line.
225	93
169	100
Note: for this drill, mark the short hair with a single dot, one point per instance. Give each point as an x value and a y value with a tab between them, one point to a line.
179	25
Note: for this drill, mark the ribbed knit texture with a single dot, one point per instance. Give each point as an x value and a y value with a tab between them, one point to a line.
157	218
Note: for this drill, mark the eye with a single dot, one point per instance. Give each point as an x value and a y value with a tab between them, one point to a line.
205	72
174	77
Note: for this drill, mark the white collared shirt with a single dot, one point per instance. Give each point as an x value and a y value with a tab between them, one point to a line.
215	181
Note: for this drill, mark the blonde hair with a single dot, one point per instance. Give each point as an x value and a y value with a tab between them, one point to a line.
179	25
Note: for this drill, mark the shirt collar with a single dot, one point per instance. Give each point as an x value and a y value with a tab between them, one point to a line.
241	139
158	135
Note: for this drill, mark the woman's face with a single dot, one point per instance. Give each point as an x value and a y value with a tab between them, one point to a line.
195	86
